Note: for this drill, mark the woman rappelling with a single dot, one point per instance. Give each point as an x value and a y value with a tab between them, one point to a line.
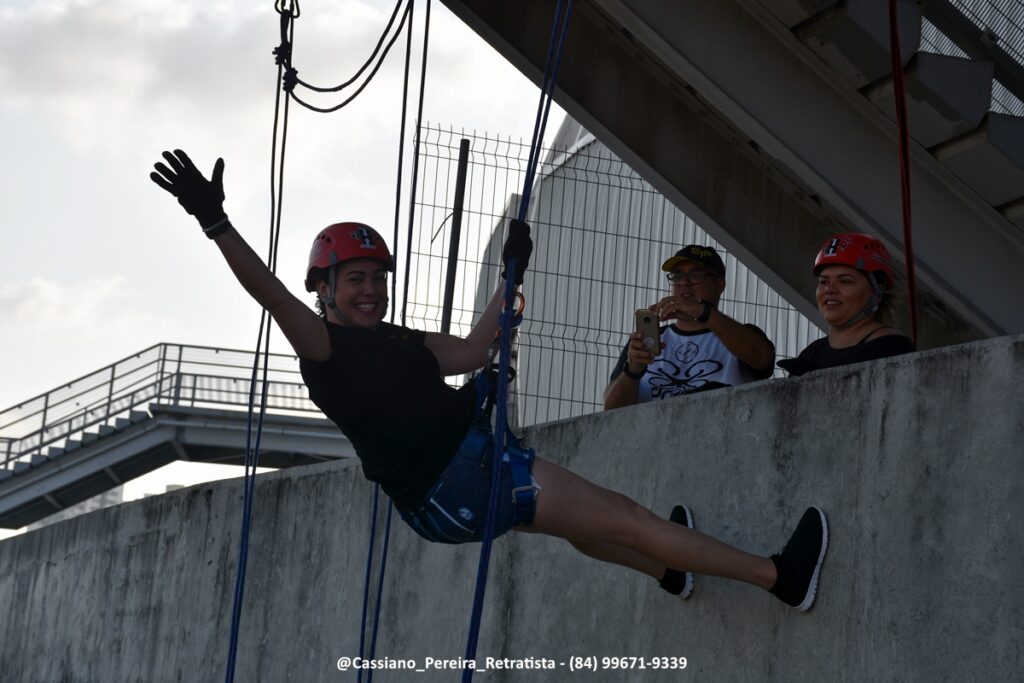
383	386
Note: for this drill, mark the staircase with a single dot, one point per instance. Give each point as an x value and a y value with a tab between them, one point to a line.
168	402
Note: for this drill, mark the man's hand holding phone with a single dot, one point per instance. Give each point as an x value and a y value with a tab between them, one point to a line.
644	344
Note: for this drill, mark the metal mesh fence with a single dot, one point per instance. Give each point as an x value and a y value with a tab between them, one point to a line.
998	28
600	234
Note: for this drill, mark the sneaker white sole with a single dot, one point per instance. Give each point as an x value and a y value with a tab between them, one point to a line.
812	588
688	585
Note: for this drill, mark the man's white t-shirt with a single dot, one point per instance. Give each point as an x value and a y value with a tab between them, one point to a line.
690	362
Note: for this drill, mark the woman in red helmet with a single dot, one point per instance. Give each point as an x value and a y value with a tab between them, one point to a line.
383	385
855	295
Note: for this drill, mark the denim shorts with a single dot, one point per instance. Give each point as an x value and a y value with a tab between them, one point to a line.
455	508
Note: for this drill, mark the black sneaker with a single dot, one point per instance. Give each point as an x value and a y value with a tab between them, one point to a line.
800	561
677	582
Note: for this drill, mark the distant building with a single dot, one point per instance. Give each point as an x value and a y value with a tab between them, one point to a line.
600	235
104	500
167	489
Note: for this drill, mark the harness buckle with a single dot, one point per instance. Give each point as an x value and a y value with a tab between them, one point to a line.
524	492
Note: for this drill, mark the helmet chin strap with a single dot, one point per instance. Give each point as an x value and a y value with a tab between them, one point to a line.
877	294
328	300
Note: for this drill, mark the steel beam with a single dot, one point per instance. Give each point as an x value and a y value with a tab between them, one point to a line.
726	112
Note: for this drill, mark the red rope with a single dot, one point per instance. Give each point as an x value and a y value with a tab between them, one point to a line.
900	94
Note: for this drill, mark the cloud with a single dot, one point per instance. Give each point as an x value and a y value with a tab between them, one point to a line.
94	307
99	67
55	332
96	67
95	89
123	80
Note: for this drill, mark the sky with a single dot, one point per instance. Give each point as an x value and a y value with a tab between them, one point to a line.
97	262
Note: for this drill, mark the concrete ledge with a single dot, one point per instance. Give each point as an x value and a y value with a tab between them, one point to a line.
917	460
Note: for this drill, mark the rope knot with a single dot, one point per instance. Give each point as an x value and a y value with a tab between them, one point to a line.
291	77
283	53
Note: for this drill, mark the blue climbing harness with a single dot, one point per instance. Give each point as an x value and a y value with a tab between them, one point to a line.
518	457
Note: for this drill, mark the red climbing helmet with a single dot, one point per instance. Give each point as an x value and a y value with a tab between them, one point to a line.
344	242
857	250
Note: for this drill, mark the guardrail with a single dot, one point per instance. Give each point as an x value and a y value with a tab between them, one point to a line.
175	374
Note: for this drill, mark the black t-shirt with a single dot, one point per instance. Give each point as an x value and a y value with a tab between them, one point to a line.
384	390
819	354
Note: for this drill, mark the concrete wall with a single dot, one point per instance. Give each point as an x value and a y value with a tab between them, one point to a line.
918	462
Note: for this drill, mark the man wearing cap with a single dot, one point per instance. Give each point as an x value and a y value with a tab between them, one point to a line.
703	349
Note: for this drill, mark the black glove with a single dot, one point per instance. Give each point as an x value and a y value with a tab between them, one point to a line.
202	198
518	246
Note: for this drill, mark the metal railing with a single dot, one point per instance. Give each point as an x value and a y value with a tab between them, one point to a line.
175	374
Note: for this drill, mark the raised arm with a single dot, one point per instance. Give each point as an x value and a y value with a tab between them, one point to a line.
746	342
204	199
456	355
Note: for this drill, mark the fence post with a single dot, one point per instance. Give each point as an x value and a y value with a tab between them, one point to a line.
453	246
110	391
42	425
177	379
160	371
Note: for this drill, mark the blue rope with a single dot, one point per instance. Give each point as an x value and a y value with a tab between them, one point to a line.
252	451
248	486
398	196
544	105
366	583
556	43
287	76
387	522
380	589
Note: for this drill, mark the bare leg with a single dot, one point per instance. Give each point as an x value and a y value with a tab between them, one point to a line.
617	554
572	508
612	553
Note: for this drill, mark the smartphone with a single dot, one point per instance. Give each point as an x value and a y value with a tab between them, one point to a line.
649	327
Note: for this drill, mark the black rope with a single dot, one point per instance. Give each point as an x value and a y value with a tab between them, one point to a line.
280	6
415	162
291	74
367	63
401	156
